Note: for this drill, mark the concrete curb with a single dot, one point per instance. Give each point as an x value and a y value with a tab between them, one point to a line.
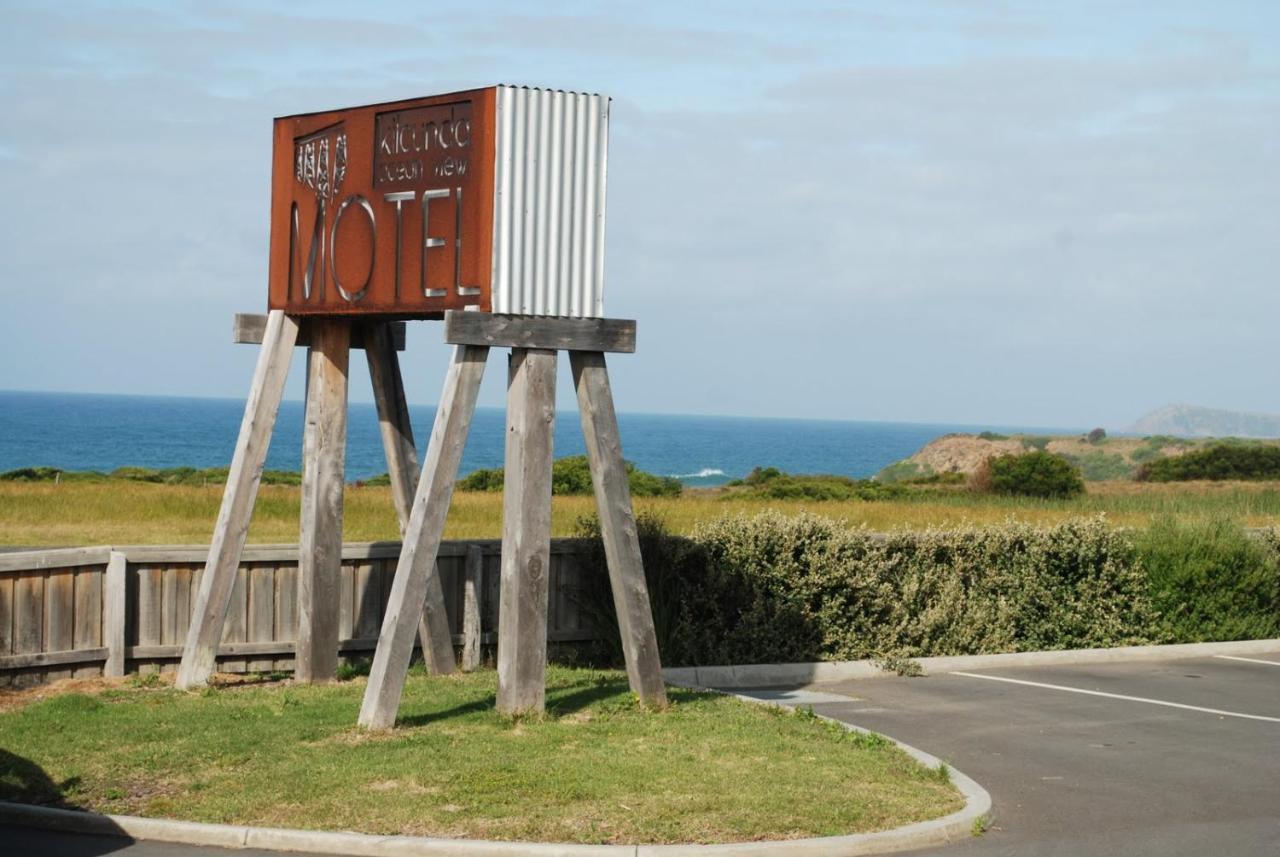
922	834
780	675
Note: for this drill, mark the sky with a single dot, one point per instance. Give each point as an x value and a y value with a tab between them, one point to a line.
1006	213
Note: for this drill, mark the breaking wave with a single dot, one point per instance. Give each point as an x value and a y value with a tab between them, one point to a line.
701	474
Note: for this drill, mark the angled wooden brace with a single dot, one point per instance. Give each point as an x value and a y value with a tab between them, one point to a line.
200	651
402	468
416	571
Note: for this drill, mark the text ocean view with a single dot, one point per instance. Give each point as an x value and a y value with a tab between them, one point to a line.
75	431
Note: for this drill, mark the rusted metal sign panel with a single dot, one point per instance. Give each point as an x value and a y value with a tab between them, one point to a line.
490	199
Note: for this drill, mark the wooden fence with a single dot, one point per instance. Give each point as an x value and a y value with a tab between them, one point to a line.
84	612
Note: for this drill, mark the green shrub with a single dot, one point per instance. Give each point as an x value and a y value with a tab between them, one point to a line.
1146	452
1212	581
572	475
991	435
905	470
157	476
484	479
1097	466
1036	442
951	477
777	588
1219	461
1030	474
668	560
770	483
1096	436
31	474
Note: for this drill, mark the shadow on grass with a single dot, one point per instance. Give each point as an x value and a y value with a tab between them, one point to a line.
569	700
478	706
23	781
561	702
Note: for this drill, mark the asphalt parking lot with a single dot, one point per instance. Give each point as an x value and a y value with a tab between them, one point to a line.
1171	758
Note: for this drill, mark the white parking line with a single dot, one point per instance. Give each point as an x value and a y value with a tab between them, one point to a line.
1248	660
1217	711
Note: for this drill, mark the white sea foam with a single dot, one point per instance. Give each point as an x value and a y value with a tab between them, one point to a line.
701	474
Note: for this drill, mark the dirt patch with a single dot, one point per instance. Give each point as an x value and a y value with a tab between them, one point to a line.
12	698
962	453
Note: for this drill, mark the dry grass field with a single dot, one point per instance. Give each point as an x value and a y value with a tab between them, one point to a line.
45	514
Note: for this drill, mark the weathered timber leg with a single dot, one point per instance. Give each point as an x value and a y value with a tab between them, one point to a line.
393	417
618	526
324	447
201	648
471	587
526	531
416	570
402	467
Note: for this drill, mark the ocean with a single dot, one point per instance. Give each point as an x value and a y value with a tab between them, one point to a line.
78	431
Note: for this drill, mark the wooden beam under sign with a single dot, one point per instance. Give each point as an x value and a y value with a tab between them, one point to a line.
549	333
247	329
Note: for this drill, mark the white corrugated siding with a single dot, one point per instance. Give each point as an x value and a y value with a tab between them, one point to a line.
548	225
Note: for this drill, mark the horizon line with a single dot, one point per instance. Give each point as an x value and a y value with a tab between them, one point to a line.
931	423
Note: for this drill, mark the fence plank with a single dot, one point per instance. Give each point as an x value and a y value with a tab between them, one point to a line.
471	609
114	615
183	579
286	602
168	609
490	603
149	605
262	608
59	616
567	593
346	597
6	615
233	631
87	625
150	592
450	570
28	618
386	572
367	600
60	607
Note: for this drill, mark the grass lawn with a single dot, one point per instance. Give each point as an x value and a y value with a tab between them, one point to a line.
594	769
144	513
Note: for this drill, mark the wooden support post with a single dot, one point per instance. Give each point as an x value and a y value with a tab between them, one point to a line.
393	418
526	531
471	589
113	615
618	526
324	447
416	572
201	648
402	468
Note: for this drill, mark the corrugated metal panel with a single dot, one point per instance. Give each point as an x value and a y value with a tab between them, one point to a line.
552	151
